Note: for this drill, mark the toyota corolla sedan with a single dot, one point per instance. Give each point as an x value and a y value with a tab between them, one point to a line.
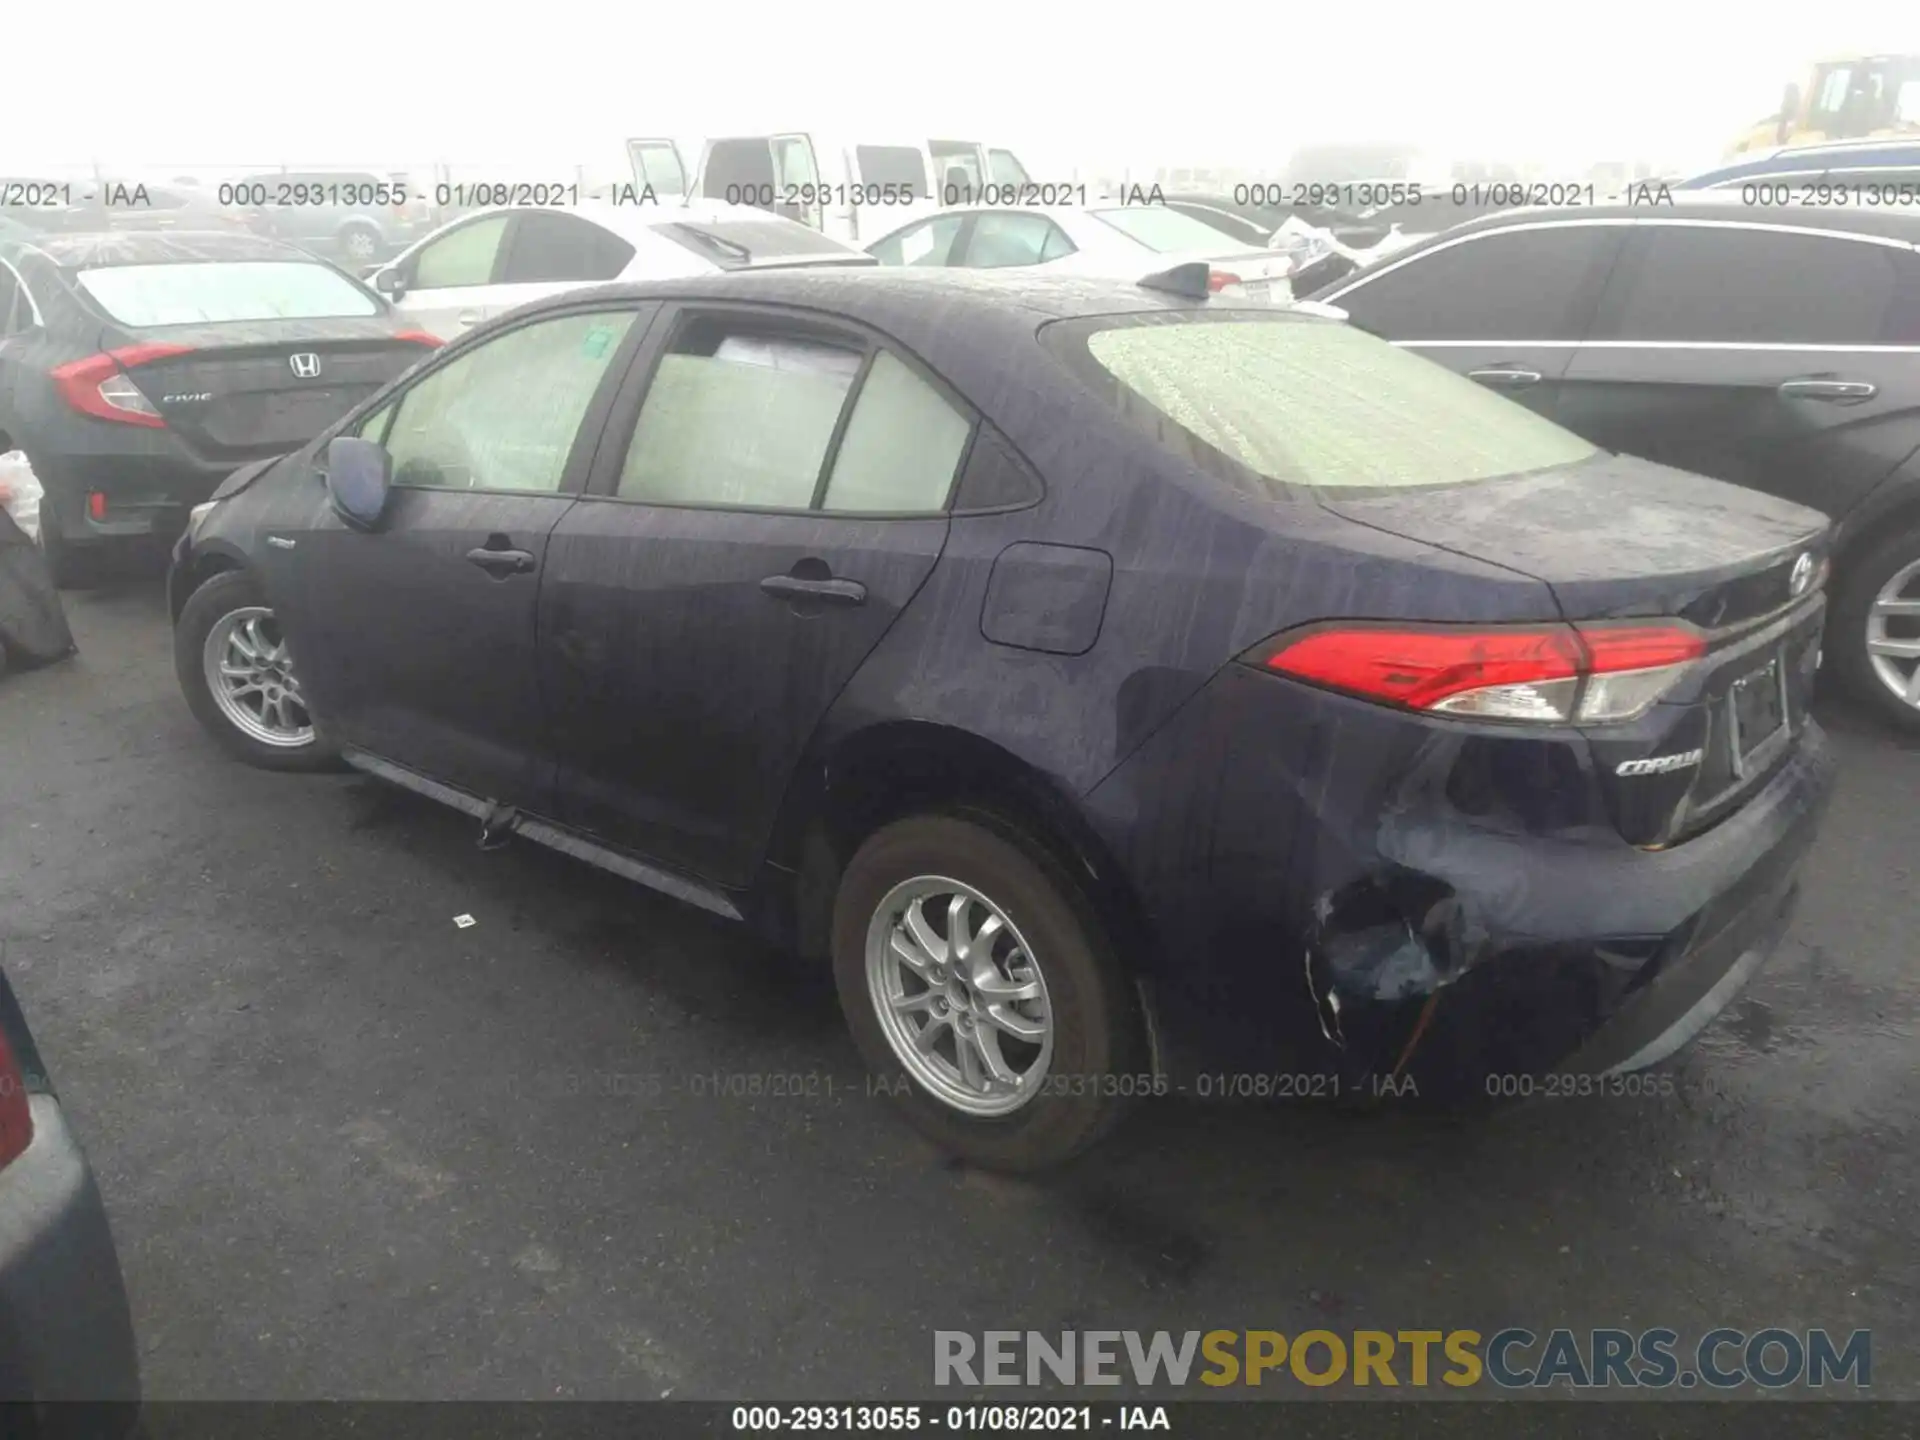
1121	688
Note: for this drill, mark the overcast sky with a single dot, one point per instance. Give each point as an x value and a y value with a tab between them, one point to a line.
251	82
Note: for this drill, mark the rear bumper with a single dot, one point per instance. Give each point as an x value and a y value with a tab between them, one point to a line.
147	497
65	1330
1331	889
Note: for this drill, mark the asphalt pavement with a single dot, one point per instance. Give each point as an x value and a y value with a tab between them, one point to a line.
599	1144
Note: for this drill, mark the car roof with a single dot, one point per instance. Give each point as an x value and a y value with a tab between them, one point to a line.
636	220
96	249
1722	207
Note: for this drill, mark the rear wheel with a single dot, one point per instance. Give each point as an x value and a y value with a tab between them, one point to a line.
240	680
1874	635
982	993
360	243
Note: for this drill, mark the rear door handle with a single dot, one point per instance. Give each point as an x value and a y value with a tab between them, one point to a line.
793	587
502	563
1840	392
1505	378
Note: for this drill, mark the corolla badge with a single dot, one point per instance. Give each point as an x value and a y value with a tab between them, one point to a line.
1660	764
1802	574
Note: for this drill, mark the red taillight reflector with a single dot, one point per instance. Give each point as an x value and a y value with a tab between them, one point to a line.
16	1114
99	386
419	337
1593	674
96	505
1218	280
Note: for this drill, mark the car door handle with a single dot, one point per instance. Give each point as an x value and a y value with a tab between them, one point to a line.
794	587
1505	378
501	563
468	317
1838	391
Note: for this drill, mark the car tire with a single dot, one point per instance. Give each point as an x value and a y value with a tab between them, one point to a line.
1094	1036
1893	565
226	602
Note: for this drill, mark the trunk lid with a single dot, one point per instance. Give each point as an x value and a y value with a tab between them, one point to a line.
243	391
1616	538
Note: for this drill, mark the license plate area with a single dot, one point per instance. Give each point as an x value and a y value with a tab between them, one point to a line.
1757	716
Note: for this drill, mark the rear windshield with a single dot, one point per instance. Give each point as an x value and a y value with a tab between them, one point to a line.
1164	230
210	292
1289	401
733	244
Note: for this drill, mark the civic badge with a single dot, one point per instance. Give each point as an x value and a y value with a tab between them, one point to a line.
1802	574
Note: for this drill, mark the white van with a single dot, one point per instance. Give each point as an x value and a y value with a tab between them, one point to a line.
849	188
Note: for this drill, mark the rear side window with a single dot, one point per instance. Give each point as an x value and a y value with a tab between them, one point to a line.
551	247
201	293
902	444
1002	240
928	243
738	420
1268	404
1709	283
1516	286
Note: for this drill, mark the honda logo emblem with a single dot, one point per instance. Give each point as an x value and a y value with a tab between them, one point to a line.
305	365
1802	575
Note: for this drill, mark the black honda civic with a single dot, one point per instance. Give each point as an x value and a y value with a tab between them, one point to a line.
1123	690
139	369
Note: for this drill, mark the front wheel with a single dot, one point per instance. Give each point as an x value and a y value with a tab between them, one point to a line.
239	677
982	994
1873	636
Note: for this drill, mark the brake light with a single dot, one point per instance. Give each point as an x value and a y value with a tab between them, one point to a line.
16	1114
96	505
1554	674
1218	280
419	337
98	385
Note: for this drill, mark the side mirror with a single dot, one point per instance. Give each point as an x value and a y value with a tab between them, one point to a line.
390	282
359	479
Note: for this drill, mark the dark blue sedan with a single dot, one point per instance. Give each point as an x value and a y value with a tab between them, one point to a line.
1122	689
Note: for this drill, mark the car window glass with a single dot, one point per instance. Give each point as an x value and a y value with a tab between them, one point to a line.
374	426
504	415
956	167
212	292
1002	239
738	419
893	165
793	162
551	247
460	257
929	243
1906	105
1006	168
901	446
658	165
1718	283
1519	285
1057	243
741	166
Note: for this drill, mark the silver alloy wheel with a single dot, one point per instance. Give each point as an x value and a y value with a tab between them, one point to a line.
959	996
250	676
361	244
1893	634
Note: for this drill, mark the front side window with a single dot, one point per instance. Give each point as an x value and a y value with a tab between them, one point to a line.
1514	286
550	248
928	243
956	166
1725	284
1272	403
1006	168
462	257
657	163
213	292
504	415
898	165
1835	83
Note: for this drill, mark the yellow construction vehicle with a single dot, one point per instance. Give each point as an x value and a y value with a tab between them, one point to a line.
1846	98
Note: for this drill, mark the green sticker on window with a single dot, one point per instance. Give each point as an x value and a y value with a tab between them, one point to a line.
596	341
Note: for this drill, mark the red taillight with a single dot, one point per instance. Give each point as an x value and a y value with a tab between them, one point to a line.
16	1115
98	385
1592	674
96	505
1218	280
419	337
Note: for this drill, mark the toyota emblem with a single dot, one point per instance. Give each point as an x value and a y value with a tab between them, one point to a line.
1802	574
306	365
